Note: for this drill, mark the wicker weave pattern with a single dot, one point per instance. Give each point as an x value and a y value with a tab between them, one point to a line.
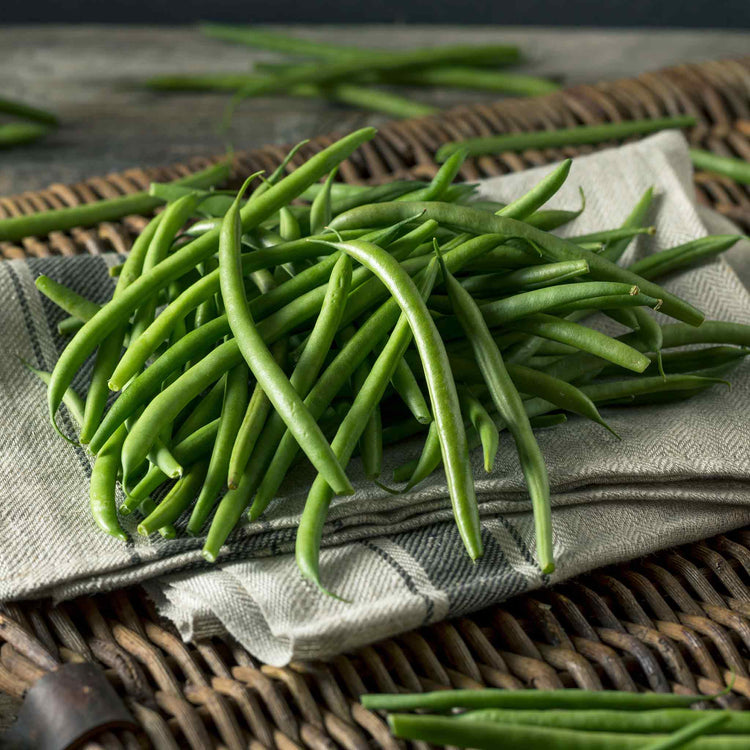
677	621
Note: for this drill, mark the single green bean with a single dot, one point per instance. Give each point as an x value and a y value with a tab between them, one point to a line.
320	211
564	137
489	736
483	424
177	500
508	403
607	720
27	112
232	411
611	235
683	256
405	384
736	169
18	134
440	182
690	732
445	700
73	303
585	339
102	488
523	207
112	209
531	277
614	249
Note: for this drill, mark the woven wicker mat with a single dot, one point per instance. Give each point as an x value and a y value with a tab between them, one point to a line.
679	620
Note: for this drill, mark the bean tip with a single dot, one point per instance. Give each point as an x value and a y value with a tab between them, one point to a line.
142	530
208	555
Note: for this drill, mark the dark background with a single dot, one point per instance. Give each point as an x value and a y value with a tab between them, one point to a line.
729	14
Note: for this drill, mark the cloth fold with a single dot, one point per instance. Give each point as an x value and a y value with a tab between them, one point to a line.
680	473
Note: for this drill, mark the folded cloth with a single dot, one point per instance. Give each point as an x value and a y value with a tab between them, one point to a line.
680	473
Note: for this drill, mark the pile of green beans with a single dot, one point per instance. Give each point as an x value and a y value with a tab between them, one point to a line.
28	123
313	321
539	720
351	75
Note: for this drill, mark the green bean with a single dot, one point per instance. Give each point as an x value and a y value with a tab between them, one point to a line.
232	411
445	700
710	332
483	424
543	421
207	408
407	387
102	488
695	359
564	137
585	339
185	259
19	133
683	256
278	173
690	732
193	447
71	399
553	218
285	399
288	225
736	169
71	302
68	326
616	306
310	530
258	409
176	501
27	112
489	736
614	249
531	277
509	405
527	303
650	333
523	207
320	211
473	220
612	235
473	78
641	386
146	508
371	445
558	392
351	356
602	720
60	219
440	182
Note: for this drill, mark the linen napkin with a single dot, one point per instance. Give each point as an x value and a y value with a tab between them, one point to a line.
680	473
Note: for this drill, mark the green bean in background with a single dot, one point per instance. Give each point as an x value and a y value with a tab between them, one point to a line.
88	214
27	112
584	134
734	168
18	134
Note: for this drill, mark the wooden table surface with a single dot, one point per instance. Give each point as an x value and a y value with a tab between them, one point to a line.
89	75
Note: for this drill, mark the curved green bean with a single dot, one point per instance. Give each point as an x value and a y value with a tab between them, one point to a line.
102	488
683	256
486	429
523	207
